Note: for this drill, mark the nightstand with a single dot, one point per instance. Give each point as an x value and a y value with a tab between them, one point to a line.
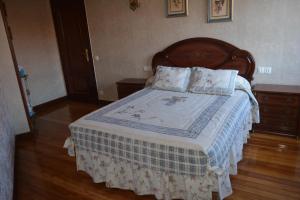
130	85
279	109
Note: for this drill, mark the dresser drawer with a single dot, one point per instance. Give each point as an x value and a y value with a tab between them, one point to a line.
278	125
287	112
279	107
277	99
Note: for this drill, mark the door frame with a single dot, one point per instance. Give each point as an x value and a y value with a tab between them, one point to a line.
15	62
63	59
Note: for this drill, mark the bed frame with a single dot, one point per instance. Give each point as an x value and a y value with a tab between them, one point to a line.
206	52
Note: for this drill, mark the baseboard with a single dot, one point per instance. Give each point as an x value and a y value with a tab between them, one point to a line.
48	103
42	106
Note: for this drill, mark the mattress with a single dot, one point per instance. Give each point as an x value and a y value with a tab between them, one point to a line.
180	133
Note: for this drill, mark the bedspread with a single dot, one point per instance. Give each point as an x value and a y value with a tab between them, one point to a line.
183	134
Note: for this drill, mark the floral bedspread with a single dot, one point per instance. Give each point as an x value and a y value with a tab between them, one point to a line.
139	134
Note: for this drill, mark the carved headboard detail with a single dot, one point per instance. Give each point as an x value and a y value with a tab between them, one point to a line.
206	52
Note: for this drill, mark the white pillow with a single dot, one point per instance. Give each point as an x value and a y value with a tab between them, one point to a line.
208	81
172	78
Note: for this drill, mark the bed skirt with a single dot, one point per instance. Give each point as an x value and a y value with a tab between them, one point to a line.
163	185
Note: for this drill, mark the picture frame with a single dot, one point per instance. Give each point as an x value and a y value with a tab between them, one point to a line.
177	8
219	11
134	4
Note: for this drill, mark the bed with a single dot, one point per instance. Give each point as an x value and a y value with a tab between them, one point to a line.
169	144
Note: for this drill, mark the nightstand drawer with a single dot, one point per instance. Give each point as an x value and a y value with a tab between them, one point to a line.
279	111
278	125
277	99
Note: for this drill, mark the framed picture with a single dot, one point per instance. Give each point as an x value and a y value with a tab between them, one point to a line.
219	10
134	4
177	8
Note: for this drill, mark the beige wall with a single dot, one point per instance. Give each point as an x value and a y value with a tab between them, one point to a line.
126	40
9	86
36	47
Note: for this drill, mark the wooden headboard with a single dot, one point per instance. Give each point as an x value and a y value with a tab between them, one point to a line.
206	52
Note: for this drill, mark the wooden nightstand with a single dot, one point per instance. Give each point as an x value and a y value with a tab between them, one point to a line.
279	109
130	85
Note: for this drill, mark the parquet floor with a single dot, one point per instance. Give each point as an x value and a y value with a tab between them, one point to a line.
43	170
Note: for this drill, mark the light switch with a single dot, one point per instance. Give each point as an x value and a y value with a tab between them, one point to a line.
96	58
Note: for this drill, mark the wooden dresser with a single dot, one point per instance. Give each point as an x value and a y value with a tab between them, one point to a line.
279	109
128	86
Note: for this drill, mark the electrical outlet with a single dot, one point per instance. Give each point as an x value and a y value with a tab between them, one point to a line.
265	70
268	70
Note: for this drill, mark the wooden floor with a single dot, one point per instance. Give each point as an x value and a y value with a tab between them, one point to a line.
270	168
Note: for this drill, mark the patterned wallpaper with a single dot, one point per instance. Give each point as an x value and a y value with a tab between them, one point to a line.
7	145
126	41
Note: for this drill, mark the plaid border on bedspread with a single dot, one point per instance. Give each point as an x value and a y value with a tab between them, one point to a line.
151	155
221	146
161	157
